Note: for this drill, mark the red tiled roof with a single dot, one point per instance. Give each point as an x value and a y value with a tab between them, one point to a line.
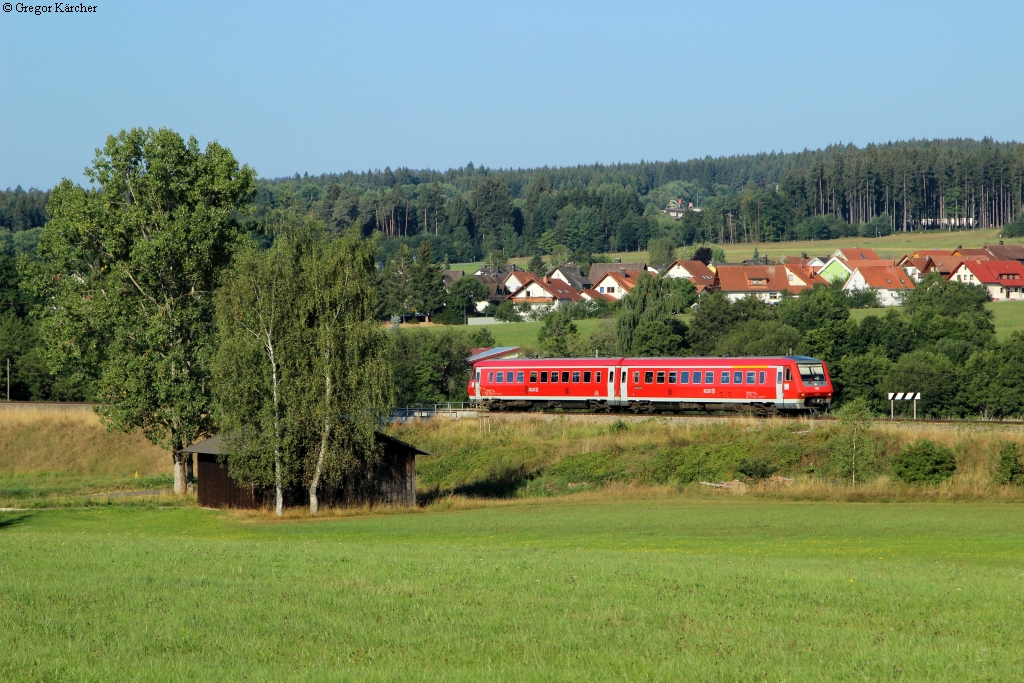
997	272
858	255
746	279
946	264
886	277
556	289
594	294
922	264
805	273
627	283
700	272
921	253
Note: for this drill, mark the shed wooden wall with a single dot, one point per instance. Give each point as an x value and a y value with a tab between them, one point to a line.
218	490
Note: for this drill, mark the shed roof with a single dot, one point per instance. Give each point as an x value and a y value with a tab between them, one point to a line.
211	446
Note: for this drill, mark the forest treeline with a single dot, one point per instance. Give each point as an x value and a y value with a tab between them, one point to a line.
843	190
470	212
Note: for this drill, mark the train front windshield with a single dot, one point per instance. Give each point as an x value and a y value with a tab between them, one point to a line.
811	373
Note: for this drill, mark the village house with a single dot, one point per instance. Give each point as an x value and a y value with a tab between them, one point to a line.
539	292
1004	280
916	268
813	262
890	282
767	283
1006	252
696	272
599	270
450	276
617	284
571	275
839	268
974	254
516	279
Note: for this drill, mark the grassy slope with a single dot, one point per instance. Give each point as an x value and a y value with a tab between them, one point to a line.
890	247
1008	316
48	453
592	589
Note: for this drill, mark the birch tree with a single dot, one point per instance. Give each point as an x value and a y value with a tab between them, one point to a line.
129	268
346	388
256	356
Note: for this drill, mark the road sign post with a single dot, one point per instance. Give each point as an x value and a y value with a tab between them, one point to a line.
903	396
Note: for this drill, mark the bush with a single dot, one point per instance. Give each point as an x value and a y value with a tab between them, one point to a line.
924	462
758	468
1011	471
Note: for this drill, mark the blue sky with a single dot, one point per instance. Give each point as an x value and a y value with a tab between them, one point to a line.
319	87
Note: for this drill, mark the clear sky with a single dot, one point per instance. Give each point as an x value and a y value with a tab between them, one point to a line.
321	87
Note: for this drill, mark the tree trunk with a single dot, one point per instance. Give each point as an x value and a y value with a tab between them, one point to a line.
325	435
190	475
179	472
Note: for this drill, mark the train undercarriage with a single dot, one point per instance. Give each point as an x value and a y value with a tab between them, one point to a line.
813	407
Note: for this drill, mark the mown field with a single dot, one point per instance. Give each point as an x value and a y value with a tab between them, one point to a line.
889	247
590	588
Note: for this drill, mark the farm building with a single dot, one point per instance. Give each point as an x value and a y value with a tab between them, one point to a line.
392	481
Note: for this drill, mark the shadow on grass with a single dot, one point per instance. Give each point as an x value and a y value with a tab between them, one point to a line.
8	520
497	485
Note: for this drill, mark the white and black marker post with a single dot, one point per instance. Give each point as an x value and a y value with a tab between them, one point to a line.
903	396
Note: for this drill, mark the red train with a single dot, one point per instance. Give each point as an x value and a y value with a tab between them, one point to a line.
764	385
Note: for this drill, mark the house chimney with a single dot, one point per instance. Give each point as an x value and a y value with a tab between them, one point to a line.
1000	241
618	260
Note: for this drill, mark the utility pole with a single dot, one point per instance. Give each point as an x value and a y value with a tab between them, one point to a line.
8	379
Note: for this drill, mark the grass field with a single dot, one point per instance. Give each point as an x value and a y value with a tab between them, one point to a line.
54	455
889	247
1008	316
579	589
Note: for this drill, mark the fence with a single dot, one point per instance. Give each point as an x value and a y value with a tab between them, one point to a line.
428	410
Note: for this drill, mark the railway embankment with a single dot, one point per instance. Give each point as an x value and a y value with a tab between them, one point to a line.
509	455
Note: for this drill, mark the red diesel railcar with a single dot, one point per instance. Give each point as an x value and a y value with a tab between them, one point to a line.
764	385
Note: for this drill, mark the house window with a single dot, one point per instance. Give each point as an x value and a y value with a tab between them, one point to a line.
671	378
725	376
576	376
519	377
586	376
611	290
649	377
661	377
750	377
565	376
601	289
533	377
709	377
684	377
737	377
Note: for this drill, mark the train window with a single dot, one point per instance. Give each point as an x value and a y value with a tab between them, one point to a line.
778	378
544	376
490	376
565	376
737	377
725	376
519	377
661	376
760	377
636	377
533	377
477	375
508	377
586	376
684	377
789	374
649	377
812	373
709	377
750	376
576	376
501	376
554	376
597	377
696	377
671	378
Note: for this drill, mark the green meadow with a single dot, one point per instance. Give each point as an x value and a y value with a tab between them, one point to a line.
590	587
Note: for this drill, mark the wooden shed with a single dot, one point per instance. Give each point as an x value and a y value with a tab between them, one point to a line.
392	481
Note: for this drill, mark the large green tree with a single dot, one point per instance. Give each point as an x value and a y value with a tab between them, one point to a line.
129	268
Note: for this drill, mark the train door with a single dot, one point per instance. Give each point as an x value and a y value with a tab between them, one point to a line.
777	371
623	386
476	384
611	386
